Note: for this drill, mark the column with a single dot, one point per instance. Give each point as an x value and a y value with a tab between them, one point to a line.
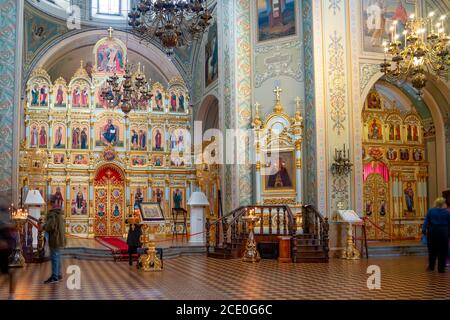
11	50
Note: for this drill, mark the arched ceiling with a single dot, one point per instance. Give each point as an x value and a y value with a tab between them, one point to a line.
66	64
63	58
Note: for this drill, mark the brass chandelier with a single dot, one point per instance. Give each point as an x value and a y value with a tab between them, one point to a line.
424	52
127	92
174	22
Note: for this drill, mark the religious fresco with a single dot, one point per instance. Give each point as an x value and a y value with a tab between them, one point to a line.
109	132
59	136
377	17
138	138
39	31
39	89
179	138
79	136
158	196
138	195
138	161
177	198
375	130
69	132
80	94
110	56
395	160
79	159
59	192
211	56
59	158
280	172
276	19
78	200
159	100
158	139
38	137
158	161
60	90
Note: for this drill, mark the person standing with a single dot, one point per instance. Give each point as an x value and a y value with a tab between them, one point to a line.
436	228
133	241
55	227
7	242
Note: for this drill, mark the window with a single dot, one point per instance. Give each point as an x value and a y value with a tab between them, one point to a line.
109	7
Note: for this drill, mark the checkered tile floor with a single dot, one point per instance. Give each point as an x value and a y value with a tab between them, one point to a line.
198	277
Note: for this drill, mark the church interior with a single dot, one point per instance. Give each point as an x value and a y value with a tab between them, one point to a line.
263	148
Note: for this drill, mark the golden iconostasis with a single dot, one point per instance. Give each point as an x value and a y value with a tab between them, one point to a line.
97	161
395	170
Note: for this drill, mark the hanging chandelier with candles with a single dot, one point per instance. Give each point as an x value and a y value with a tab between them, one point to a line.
128	91
175	23
425	51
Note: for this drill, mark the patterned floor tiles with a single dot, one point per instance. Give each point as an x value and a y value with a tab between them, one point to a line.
198	277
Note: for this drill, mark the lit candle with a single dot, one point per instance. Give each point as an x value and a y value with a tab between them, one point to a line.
405	33
395	29
431	15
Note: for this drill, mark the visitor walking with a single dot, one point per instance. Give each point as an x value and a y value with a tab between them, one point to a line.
436	227
133	241
7	244
55	227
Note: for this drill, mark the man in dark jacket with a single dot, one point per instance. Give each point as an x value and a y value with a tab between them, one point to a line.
436	227
133	241
55	227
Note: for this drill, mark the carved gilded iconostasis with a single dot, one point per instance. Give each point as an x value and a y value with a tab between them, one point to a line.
395	170
98	162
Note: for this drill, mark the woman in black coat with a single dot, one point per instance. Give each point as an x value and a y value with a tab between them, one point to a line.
133	241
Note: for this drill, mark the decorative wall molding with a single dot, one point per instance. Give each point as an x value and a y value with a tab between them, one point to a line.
8	83
336	75
367	72
310	108
243	95
278	60
334	5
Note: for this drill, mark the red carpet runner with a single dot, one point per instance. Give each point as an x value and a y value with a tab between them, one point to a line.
117	245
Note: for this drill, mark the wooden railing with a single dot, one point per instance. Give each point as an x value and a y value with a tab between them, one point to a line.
26	234
314	223
231	230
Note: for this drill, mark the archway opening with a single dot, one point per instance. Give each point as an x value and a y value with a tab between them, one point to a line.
398	163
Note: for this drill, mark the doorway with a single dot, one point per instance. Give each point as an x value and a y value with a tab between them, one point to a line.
109	204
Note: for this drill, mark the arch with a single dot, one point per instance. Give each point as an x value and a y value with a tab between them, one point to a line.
117	172
208	113
74	40
429	102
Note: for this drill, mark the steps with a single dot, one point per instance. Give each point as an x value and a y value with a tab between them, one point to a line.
107	255
397	250
308	250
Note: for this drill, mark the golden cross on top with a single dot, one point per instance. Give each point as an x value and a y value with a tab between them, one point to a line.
278	91
110	30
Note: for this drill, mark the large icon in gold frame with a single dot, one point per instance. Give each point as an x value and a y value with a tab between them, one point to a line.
279	171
